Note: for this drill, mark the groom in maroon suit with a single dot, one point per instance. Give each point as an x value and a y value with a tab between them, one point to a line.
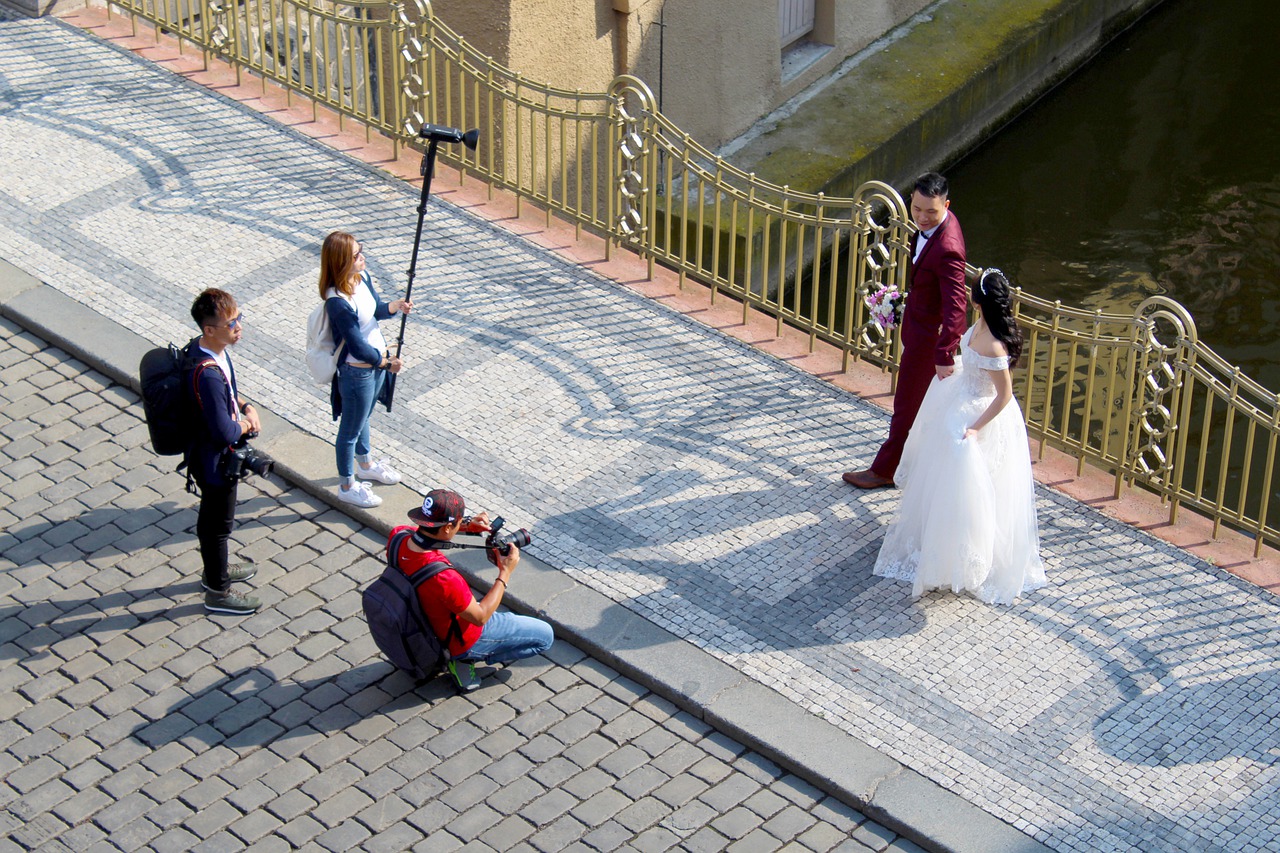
932	322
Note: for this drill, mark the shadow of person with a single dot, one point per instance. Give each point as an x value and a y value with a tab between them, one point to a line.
254	708
51	622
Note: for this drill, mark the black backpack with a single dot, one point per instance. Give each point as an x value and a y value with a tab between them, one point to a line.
169	407
399	627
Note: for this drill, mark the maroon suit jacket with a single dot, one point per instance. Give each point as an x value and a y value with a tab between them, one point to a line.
936	313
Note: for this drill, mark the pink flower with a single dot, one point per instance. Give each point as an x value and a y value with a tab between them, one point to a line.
885	305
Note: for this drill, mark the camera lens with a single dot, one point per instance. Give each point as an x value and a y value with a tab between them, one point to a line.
260	465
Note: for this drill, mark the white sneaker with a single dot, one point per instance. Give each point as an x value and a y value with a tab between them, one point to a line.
379	472
359	495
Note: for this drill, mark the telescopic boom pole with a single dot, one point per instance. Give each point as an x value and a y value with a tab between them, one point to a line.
434	134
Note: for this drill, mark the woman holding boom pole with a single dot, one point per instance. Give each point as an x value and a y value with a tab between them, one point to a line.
354	309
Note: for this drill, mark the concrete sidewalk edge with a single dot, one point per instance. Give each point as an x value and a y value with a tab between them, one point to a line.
694	680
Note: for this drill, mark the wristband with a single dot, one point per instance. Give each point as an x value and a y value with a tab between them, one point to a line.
501	581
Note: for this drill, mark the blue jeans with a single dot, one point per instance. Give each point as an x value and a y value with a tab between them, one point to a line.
508	637
359	387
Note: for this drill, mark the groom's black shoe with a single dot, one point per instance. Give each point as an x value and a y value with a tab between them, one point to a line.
866	479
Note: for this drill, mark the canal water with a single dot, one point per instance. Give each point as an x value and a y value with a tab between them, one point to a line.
1154	169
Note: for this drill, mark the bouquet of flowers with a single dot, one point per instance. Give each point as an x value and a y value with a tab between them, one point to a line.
885	305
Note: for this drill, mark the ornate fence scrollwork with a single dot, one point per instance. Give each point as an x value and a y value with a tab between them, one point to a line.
1170	334
631	104
217	33
880	236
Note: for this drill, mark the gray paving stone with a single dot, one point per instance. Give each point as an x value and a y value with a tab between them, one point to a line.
501	743
642	814
382	783
600	807
790	822
512	797
641	781
553	773
622	761
507	833
174	840
679	790
589	750
558	835
343	837
871	834
542	748
822	837
736	823
385	812
469	824
711	769
123	811
336	808
169	814
251	796
844	818
253	826
394	839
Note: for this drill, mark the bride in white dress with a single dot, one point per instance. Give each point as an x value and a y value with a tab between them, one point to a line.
967	521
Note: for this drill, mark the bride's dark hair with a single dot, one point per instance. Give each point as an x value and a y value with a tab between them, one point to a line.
994	298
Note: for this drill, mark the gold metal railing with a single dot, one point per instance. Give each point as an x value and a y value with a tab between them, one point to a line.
1138	395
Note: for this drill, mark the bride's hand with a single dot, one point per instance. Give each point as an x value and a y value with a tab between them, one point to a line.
969	433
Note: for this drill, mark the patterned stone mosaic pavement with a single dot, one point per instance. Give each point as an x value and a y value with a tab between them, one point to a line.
1131	705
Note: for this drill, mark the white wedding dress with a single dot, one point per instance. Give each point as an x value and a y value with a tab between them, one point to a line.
967	521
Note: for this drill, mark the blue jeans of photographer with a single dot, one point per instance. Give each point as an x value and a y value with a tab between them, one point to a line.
359	388
508	637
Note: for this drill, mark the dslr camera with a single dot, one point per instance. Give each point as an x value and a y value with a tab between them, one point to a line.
242	460
499	542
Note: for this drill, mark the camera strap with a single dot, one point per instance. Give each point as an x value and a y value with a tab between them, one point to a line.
426	543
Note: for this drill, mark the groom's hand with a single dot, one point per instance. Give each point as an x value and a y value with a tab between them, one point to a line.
944	370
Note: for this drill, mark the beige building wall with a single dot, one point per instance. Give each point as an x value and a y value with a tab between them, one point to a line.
717	66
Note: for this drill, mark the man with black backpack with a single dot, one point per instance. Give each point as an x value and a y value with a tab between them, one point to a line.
471	630
223	421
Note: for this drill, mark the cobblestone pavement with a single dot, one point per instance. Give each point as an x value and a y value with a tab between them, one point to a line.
131	720
1131	705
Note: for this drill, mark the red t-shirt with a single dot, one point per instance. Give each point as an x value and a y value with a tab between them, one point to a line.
445	595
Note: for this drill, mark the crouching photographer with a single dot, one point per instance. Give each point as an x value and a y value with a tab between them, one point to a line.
473	630
219	454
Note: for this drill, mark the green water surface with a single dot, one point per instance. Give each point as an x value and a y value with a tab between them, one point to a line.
1154	169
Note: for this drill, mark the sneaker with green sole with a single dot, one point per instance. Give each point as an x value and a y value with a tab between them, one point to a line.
236	573
464	674
231	602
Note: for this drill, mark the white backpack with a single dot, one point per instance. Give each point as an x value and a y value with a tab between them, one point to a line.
322	355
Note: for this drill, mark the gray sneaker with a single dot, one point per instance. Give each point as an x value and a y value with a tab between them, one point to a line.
231	602
464	674
236	573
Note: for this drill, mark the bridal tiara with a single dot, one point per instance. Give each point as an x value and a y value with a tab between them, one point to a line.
982	286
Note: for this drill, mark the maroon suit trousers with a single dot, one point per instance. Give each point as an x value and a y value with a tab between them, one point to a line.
915	372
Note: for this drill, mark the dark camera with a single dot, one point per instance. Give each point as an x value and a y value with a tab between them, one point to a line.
242	460
499	542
